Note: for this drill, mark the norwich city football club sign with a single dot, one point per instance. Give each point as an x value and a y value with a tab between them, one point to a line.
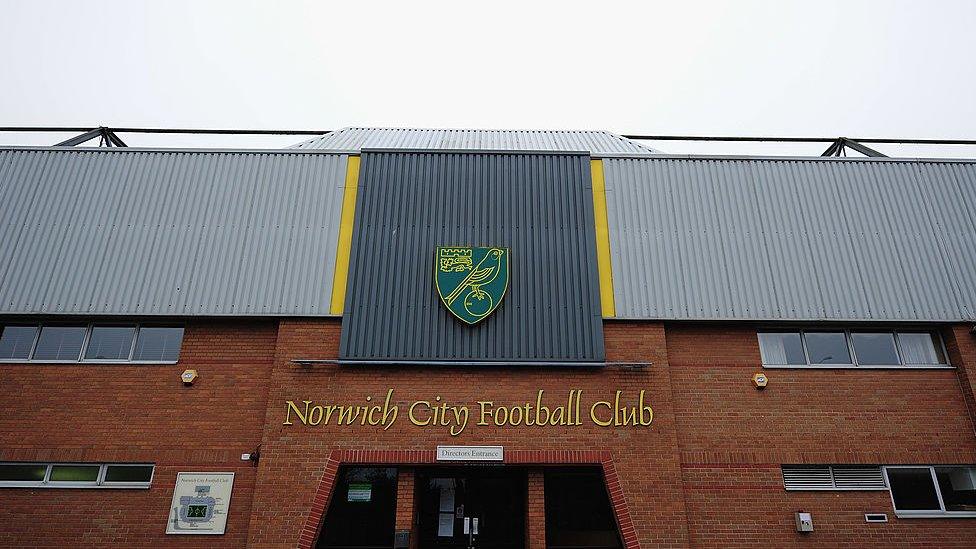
471	281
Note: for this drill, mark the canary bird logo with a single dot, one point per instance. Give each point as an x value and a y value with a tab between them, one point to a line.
471	282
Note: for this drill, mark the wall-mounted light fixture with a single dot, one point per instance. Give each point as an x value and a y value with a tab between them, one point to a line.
760	380
188	377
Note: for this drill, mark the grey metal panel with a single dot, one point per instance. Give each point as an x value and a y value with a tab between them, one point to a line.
540	206
356	139
789	239
168	233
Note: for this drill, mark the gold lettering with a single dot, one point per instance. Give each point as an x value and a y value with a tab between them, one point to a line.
558	416
389	414
539	407
598	421
511	416
616	409
501	418
579	393
311	415
643	407
438	412
413	419
460	420
329	410
485	411
303	417
347	414
630	415
370	419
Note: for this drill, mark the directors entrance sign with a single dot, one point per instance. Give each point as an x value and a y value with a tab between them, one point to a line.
470	453
471	282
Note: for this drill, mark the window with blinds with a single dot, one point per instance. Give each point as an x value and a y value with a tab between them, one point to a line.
833	477
824	348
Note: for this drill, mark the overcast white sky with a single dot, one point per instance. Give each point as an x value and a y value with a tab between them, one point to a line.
829	68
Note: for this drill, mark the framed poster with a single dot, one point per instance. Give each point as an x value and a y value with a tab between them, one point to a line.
200	504
360	492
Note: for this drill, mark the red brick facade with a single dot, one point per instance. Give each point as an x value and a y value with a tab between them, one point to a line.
706	472
137	413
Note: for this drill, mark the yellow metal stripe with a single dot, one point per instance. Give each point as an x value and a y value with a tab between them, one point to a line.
345	236
602	239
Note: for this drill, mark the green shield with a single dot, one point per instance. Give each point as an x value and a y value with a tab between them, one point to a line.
471	281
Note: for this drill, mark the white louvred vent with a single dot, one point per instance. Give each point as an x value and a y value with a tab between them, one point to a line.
807	477
859	478
837	477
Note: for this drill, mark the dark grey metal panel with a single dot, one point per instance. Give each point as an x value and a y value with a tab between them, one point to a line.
540	206
97	231
789	239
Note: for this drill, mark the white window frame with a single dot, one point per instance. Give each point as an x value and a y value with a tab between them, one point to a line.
850	348
941	512
89	327
98	483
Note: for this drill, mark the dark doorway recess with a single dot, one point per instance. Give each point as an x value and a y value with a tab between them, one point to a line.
578	510
362	510
450	500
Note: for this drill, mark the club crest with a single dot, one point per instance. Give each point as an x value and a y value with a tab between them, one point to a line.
471	281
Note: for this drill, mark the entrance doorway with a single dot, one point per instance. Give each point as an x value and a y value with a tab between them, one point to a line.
471	507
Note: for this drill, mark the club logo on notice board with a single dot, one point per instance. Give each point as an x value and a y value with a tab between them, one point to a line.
471	281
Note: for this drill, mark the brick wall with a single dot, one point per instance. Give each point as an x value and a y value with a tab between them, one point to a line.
705	473
535	528
138	413
294	455
405	504
733	439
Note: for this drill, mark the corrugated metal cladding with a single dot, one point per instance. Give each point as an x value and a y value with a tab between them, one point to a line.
792	239
356	139
168	233
540	206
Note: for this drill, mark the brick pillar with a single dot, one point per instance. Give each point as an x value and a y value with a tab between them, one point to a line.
536	511
961	344
404	503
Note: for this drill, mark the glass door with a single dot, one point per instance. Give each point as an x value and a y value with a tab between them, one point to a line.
472	508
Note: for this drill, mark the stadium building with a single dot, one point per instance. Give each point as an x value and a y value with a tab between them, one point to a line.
485	339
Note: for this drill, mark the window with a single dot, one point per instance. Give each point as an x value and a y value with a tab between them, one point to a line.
159	344
60	343
827	348
362	513
850	348
782	348
957	485
924	491
833	477
76	475
875	349
22	472
91	343
921	348
16	341
127	475
110	342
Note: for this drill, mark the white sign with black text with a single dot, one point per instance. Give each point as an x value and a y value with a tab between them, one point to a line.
470	453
